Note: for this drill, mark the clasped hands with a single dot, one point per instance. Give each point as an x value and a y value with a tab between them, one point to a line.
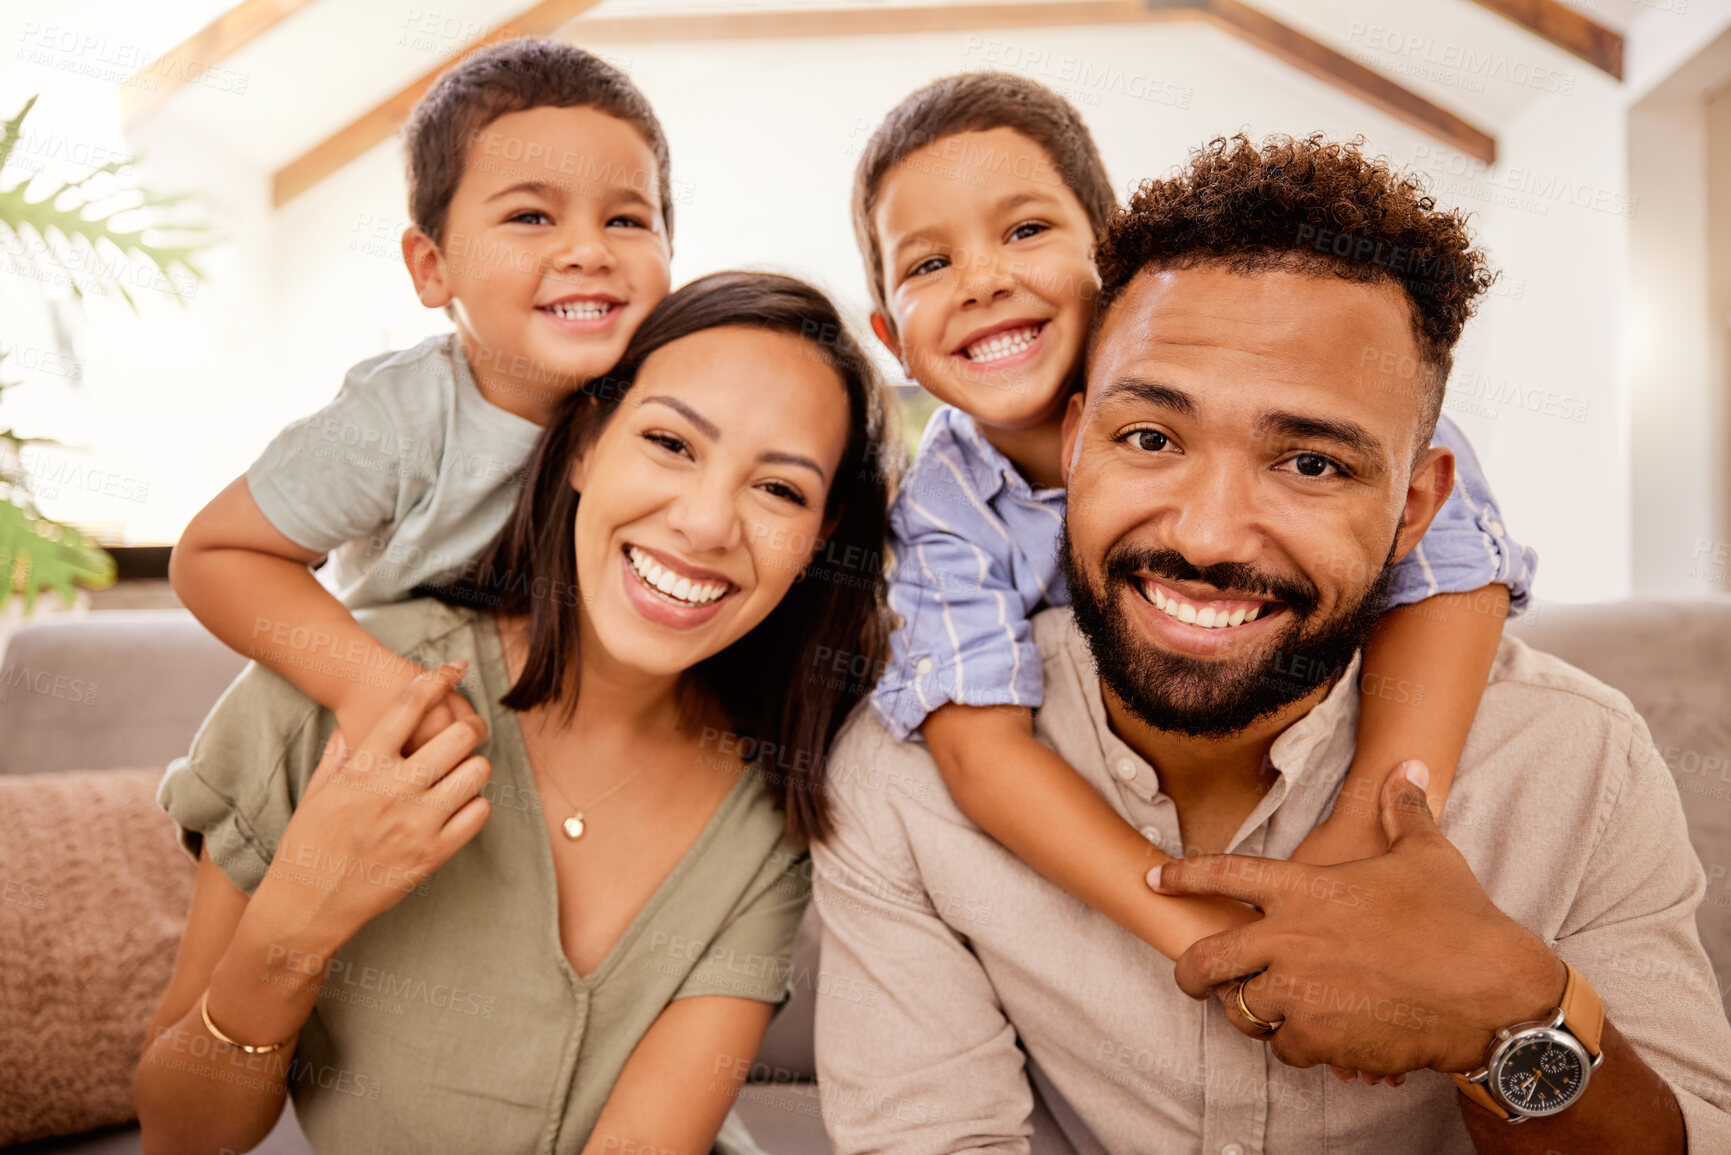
1384	965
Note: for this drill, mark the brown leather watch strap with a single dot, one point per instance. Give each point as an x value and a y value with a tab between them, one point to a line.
1479	1095
1583	1012
1583	1015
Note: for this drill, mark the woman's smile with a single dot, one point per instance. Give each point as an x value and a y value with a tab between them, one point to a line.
669	592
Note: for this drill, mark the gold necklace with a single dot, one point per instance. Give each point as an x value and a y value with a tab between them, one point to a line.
573	826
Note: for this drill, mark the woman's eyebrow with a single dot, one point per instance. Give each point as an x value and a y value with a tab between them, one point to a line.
709	430
704	425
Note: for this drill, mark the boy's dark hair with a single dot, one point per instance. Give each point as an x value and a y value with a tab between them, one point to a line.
775	683
976	102
514	76
1307	205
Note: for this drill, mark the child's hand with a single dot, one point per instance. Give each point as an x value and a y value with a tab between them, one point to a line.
1353	829
1343	837
358	713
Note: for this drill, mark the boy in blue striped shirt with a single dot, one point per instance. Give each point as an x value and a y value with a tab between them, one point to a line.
976	205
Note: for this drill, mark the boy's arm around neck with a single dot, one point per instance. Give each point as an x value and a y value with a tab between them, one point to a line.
1027	797
254	589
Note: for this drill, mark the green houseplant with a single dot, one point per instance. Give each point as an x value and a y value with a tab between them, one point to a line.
84	227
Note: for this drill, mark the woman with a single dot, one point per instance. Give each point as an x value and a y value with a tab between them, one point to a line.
572	938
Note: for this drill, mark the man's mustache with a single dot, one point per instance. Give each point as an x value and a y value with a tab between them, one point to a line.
1299	595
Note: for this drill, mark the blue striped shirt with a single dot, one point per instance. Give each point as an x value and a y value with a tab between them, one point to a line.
976	553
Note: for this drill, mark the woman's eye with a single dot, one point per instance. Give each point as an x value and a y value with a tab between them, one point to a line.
540	218
1023	231
1147	440
929	265
1316	465
783	490
667	441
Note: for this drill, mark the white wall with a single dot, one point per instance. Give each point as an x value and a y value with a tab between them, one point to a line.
764	139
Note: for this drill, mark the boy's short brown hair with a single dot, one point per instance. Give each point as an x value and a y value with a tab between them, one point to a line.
514	76
976	102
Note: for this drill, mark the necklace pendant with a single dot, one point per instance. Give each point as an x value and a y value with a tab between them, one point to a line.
574	827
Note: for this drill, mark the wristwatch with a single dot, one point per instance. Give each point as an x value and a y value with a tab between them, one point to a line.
1542	1067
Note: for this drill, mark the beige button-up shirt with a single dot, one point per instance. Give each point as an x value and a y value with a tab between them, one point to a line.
988	1009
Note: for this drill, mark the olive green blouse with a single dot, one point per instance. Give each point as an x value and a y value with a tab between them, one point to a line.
453	1021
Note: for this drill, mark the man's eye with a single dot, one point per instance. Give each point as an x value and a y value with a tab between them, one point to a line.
1031	228
524	217
929	265
1147	440
1316	465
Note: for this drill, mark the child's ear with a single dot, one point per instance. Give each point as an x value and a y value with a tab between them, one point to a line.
427	267
881	327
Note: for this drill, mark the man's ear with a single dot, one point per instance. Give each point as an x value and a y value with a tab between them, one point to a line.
1072	426
881	327
426	267
1433	479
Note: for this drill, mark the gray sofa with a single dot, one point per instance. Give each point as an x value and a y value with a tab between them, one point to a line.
155	674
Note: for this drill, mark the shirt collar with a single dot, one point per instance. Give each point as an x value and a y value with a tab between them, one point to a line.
988	469
1311	756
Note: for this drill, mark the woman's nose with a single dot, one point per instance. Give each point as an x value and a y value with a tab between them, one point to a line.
704	515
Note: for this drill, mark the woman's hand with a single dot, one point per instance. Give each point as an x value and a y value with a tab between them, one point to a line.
373	823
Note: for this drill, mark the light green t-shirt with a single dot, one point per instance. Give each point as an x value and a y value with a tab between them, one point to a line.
453	1022
402	480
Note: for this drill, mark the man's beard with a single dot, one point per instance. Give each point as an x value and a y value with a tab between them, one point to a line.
1215	698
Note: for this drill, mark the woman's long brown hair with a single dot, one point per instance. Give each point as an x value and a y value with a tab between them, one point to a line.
776	683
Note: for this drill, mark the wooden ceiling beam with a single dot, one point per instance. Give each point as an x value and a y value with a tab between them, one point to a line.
376	125
1349	75
1235	17
192	60
1568	28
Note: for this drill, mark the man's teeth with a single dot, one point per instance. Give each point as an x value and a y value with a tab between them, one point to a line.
676	586
1206	617
1000	345
581	310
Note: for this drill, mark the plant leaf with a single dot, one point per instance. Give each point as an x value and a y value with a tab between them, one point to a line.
38	554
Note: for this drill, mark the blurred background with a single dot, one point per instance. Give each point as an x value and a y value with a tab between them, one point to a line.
1590	140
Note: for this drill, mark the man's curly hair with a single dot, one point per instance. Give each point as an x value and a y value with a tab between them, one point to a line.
1305	205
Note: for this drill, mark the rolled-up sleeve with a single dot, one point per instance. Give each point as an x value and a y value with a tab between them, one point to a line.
1631	932
915	1053
236	790
1467	546
963	635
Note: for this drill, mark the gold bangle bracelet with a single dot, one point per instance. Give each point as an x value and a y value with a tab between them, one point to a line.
204	1013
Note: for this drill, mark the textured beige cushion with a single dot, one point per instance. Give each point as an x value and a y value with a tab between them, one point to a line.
94	891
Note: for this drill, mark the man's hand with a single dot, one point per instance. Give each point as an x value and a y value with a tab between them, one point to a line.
1387	964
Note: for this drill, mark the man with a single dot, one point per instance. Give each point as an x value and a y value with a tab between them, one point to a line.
1258	404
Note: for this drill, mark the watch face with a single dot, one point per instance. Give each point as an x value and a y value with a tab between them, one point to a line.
1541	1076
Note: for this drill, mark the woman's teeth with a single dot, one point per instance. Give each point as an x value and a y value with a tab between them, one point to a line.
581	310
1206	617
676	586
1007	343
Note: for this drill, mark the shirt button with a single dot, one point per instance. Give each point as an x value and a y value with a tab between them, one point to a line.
1151	834
924	667
1232	1149
1126	770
